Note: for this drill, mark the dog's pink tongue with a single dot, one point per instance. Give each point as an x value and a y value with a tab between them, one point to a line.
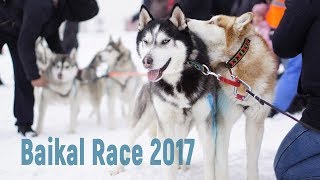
153	75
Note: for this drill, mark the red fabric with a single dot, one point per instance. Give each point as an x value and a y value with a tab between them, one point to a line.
235	83
170	5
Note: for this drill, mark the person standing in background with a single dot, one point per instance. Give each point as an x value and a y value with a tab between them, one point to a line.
259	22
200	9
240	7
22	23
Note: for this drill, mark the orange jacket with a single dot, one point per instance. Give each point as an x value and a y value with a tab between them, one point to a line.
275	13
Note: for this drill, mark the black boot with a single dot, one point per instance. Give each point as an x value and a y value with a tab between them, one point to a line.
27	131
1	83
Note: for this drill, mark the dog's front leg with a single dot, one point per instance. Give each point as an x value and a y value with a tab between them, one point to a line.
207	134
74	111
111	111
166	122
43	105
208	144
225	122
254	134
143	116
166	130
182	130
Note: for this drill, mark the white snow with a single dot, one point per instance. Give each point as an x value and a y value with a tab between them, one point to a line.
57	119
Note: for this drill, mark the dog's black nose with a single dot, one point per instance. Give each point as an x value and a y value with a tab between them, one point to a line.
147	62
60	76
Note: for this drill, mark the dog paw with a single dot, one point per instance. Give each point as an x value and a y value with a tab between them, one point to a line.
183	168
116	171
71	131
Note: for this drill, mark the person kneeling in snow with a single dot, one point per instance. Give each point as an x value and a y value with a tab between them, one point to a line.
21	23
298	156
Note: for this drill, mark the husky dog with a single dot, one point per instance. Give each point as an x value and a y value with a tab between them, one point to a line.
224	35
122	86
91	87
62	88
176	95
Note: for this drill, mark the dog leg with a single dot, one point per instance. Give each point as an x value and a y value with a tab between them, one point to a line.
254	135
227	114
111	112
143	116
74	111
208	145
182	130
168	131
41	114
96	104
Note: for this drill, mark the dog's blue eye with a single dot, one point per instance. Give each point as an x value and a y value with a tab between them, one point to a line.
166	41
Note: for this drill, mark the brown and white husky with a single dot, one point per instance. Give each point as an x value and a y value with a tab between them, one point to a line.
224	36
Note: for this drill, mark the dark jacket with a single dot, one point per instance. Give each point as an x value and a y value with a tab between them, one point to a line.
23	21
299	32
197	9
240	7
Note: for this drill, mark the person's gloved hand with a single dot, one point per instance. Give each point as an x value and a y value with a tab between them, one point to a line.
41	82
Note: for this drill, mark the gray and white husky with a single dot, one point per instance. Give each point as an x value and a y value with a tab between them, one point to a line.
68	84
61	74
91	87
176	94
121	86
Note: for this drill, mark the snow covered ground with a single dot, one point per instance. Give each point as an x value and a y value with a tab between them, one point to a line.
57	119
56	123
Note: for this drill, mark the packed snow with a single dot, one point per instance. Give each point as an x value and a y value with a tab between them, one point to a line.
57	120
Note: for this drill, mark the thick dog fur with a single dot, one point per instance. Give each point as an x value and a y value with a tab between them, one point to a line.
91	87
65	84
61	73
176	95
223	36
122	87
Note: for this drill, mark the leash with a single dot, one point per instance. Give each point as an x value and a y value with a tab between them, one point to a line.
236	82
124	74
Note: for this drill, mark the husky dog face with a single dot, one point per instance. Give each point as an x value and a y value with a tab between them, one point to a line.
113	53
221	31
64	67
163	44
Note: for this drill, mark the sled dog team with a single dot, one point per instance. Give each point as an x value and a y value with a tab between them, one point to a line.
177	53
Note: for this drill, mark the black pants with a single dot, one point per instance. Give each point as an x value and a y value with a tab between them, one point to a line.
23	92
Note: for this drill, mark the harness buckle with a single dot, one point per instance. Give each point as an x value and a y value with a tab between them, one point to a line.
240	96
206	71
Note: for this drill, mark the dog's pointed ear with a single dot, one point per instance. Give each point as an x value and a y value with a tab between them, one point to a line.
178	18
144	17
110	39
73	55
119	43
243	21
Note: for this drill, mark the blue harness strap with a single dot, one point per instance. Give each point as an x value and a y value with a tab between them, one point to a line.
213	105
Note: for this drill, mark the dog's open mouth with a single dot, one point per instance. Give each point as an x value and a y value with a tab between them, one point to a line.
155	75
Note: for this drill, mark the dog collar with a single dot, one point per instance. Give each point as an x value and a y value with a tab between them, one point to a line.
239	55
